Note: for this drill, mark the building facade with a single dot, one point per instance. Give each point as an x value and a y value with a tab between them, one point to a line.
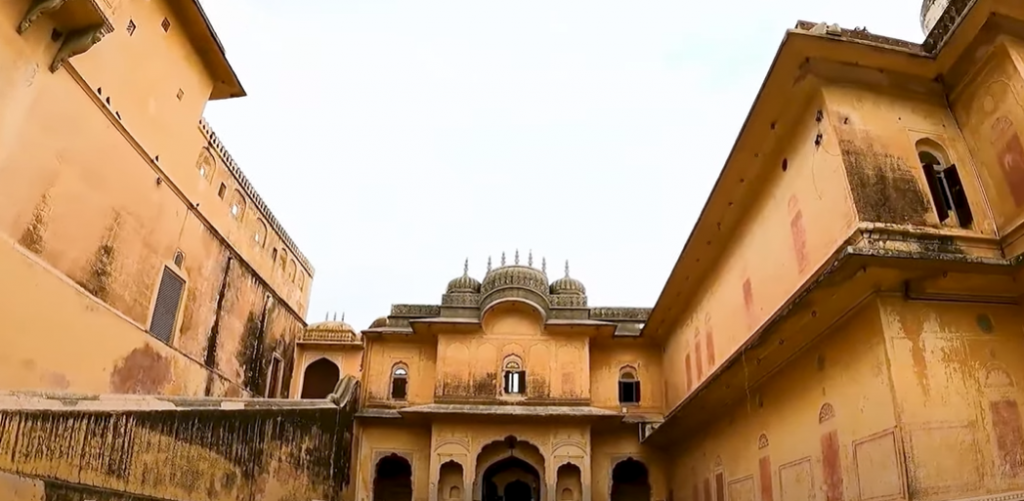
844	322
136	257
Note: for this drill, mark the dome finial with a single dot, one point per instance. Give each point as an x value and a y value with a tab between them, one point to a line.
335	316
566	268
327	316
343	316
488	264
517	256
465	268
503	258
529	259
544	265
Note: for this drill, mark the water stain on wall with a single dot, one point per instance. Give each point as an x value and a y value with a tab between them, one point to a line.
1010	155
143	372
884	188
99	274
1006	421
798	233
832	466
33	236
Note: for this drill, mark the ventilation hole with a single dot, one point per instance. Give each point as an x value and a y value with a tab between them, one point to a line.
157	158
108	100
222	190
985	323
117	114
166	25
99	90
181	94
773	125
56	34
819	362
131	27
179	258
743	180
785	164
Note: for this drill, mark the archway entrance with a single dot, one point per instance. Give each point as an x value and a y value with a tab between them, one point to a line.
320	378
510	470
630	481
511	479
392	480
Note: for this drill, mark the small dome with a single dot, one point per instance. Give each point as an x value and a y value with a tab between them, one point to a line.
568	285
331	331
515	275
464	283
380	322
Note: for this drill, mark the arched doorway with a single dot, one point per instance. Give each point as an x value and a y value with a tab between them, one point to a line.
630	481
510	470
392	480
511	479
449	484
569	482
320	379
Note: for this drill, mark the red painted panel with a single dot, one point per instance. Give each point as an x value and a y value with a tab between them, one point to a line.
1006	423
798	232
719	486
764	466
1010	155
709	340
707	488
832	466
689	373
748	300
699	360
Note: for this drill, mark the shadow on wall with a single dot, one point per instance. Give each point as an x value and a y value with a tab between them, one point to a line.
188	449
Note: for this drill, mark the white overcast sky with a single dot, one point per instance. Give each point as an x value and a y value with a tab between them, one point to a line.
395	138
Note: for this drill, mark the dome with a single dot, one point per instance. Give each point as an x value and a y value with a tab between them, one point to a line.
380	322
464	283
568	285
931	11
515	275
331	331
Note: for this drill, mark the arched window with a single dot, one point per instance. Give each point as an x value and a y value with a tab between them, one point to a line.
205	164
629	386
260	234
273	255
514	376
284	259
944	184
237	205
291	270
399	382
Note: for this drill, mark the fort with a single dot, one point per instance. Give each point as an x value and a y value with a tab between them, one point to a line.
843	324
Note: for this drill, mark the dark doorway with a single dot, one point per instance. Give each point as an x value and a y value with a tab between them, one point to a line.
320	379
393	479
511	479
630	482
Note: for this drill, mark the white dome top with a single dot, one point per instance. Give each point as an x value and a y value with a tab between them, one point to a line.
931	11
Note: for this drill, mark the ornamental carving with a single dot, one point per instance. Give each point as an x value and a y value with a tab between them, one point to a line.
762	441
826	412
568	301
515	276
638	314
415	310
460	299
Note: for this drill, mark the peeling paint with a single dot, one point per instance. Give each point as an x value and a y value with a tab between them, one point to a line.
143	371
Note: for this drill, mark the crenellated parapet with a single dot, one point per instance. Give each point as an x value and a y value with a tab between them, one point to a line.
253	195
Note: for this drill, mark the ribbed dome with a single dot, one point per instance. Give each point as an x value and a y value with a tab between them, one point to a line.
464	283
515	275
331	331
568	285
931	11
380	322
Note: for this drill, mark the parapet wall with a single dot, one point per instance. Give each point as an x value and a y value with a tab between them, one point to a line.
72	447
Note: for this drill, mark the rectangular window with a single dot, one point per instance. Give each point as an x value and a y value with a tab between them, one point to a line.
515	382
629	392
165	312
398	388
274	377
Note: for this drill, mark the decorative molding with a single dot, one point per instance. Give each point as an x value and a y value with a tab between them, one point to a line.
762	441
76	44
37	9
620	313
568	301
826	412
250	191
460	299
415	310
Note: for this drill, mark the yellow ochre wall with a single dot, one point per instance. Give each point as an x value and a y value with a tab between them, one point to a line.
106	193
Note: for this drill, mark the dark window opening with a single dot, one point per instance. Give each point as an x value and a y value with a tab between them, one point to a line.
179	259
399	383
514	378
320	379
165	312
222	190
947	190
274	377
629	388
